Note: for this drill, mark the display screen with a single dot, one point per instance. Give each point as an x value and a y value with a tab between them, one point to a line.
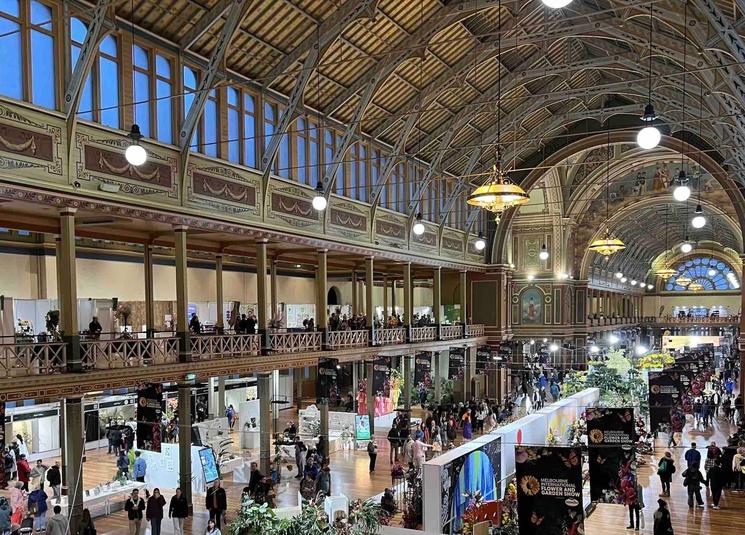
362	427
209	465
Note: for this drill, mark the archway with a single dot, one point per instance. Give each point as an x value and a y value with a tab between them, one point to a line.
334	296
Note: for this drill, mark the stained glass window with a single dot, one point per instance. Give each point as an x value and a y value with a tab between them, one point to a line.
711	273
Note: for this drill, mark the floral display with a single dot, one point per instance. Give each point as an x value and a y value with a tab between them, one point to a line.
655	361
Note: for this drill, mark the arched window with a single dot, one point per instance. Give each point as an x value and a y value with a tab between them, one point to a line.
711	273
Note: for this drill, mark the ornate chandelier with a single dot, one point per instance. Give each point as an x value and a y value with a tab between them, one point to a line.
695	287
665	272
498	193
607	245
683	281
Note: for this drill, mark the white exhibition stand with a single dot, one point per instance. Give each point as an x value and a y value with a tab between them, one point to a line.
105	500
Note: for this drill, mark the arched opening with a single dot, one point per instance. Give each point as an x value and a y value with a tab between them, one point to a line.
334	296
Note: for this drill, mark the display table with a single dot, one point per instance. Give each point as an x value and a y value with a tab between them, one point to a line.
250	439
107	501
231	465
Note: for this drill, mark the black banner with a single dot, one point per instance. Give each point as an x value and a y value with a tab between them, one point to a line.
670	398
381	372
149	413
3	481
326	387
483	359
610	440
457	363
423	368
549	490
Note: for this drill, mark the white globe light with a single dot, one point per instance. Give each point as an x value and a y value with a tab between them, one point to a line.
136	154
531	277
648	137
613	339
682	193
711	272
545	340
553	347
418	228
633	282
698	221
319	203
543	255
479	244
619	274
556	4
594	349
686	247
624	279
641	350
649	286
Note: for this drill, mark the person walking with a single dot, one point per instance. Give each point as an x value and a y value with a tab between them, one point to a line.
140	468
24	471
692	480
37	506
738	463
54	478
38	473
178	511
154	511
216	502
666	469
693	456
134	506
5	514
122	464
633	499
18	502
662	522
372	452
301	451
57	524
716	478
323	483
87	527
713	452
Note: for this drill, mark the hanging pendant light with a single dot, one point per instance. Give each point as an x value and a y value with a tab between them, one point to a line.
480	242
543	255
665	272
135	153
683	281
607	245
698	221
649	136
319	199
695	287
686	246
556	4
682	192
418	227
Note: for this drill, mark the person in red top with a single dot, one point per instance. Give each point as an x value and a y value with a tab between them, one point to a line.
24	471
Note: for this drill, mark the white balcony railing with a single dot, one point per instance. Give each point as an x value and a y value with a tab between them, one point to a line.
346	339
389	336
31	358
294	342
128	353
451	332
423	334
225	346
474	330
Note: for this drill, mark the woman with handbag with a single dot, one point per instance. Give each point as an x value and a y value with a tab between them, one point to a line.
666	469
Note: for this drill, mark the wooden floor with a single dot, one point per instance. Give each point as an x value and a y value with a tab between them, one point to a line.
350	476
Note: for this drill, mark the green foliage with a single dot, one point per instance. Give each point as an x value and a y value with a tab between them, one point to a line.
620	383
574	381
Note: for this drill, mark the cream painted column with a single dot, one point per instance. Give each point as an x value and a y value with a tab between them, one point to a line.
74	451
182	295
408	305
149	293
263	319
322	292
407	381
265	421
370	394
354	292
68	290
393	297
184	442
273	295
220	323
385	299
436	376
463	296
437	299
369	287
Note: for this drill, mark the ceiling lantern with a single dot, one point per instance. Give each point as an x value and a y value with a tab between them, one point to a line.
497	194
683	281
695	287
607	245
665	272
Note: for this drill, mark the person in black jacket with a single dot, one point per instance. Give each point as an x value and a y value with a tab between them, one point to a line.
692	480
216	502
254	479
54	478
716	479
178	511
134	507
662	523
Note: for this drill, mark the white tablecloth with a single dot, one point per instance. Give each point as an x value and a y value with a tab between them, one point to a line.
108	501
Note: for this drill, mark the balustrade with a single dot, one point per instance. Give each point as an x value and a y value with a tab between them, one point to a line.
423	334
346	339
700	320
294	342
451	332
474	330
128	353
225	346
22	359
389	336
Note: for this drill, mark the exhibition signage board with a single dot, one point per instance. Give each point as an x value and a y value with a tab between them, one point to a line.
483	359
149	413
362	427
549	490
381	373
423	368
326	387
3	481
670	398
611	451
457	362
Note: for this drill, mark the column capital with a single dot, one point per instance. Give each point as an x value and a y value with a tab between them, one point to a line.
218	255
370	257
68	211
322	251
180	228
262	241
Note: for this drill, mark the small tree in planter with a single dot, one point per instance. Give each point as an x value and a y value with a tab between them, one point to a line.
122	314
52	324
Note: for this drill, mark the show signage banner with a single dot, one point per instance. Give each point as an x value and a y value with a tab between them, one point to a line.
457	363
670	398
423	368
549	490
149	413
3	481
326	382
381	373
483	359
610	440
